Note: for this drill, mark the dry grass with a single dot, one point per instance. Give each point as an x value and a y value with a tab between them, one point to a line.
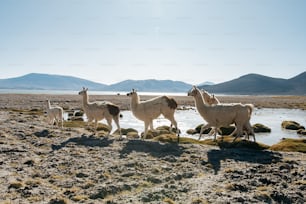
290	145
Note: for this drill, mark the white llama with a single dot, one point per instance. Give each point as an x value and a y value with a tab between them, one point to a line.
99	110
54	114
149	110
223	115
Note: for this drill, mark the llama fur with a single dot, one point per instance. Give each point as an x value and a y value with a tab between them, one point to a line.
223	115
149	110
209	99
54	114
99	110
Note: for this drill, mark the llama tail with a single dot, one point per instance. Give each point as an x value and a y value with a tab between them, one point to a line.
250	108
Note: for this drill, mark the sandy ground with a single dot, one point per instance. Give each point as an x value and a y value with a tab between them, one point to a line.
41	164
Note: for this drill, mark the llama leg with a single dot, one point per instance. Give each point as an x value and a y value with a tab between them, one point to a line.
146	124
204	127
109	122
151	125
173	123
215	133
116	119
96	126
237	131
250	131
62	120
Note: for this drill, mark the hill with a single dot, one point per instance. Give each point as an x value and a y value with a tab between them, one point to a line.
150	85
48	82
36	81
258	84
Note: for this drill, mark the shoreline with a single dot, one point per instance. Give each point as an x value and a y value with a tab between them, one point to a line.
75	101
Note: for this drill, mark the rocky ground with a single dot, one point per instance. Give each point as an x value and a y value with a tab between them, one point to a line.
41	164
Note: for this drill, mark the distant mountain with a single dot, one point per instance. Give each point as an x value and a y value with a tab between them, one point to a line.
150	85
58	82
48	82
206	83
259	84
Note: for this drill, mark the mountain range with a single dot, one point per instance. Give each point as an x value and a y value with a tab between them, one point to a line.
59	82
249	84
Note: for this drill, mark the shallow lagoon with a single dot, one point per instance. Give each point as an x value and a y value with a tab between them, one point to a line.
189	119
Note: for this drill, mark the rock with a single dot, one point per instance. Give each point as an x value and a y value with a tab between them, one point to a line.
79	113
77	118
126	131
191	132
260	128
226	130
301	132
43	133
291	125
198	129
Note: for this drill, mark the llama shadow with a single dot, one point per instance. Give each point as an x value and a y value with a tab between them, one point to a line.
155	149
241	154
88	141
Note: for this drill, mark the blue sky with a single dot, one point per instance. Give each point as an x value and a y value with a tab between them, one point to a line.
108	41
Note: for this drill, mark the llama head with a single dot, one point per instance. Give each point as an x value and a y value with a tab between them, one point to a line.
133	92
194	91
84	91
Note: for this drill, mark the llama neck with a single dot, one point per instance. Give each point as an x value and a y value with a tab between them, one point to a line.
134	101
199	101
206	96
48	104
85	100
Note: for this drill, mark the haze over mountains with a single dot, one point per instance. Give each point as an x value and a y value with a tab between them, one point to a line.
248	84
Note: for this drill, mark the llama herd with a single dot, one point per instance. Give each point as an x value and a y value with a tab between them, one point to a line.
216	114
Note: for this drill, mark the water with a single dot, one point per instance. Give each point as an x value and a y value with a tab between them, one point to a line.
189	119
70	92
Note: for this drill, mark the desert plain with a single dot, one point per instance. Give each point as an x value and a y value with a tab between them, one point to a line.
44	164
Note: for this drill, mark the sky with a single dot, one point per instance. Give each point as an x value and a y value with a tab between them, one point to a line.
194	41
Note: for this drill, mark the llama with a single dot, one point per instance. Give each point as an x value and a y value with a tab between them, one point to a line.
99	110
149	110
54	114
209	99
223	115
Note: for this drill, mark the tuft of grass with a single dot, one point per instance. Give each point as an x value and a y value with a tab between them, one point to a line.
290	145
264	188
59	201
126	131
168	200
263	196
225	143
301	182
74	124
170	138
78	198
16	185
28	112
199	201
